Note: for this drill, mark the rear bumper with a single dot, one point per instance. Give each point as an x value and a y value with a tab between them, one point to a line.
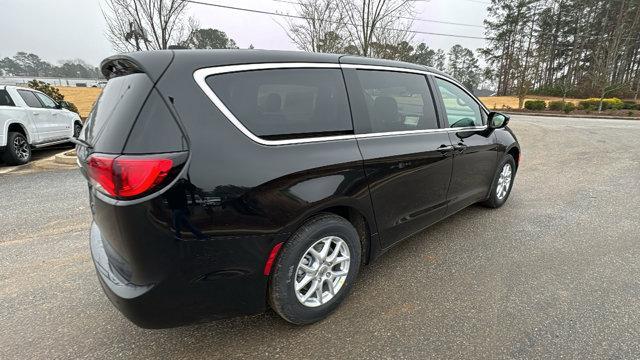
204	285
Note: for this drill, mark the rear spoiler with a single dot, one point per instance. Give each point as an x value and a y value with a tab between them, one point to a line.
152	63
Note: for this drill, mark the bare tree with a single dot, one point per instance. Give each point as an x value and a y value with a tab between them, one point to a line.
146	24
365	27
377	21
319	28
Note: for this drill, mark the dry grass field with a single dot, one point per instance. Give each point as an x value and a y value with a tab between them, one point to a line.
83	98
503	102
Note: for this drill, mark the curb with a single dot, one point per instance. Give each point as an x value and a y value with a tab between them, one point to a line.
66	158
8	169
61	160
581	116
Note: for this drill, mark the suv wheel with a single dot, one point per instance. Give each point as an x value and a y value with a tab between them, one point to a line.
315	269
76	130
502	183
18	151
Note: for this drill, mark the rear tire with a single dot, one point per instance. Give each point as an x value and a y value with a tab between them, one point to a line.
335	272
502	183
18	150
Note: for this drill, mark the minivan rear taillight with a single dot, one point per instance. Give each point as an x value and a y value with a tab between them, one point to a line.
127	176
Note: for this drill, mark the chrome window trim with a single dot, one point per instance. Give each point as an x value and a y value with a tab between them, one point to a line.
423	131
200	76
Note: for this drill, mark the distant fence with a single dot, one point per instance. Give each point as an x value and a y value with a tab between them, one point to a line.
74	82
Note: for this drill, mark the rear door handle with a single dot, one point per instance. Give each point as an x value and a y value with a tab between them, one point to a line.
460	147
35	113
445	149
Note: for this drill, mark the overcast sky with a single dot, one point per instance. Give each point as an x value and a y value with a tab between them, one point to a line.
69	29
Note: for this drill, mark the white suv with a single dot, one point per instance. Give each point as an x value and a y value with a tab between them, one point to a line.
30	119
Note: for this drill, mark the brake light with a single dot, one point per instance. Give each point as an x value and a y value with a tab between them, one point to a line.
127	176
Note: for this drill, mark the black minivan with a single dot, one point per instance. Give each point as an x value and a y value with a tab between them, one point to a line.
222	181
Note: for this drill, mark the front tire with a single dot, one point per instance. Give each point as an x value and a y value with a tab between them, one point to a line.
18	150
315	269
502	183
77	127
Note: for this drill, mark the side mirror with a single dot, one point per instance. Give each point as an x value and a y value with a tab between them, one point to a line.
59	105
62	105
497	120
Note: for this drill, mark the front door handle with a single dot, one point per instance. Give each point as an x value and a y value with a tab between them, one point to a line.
36	113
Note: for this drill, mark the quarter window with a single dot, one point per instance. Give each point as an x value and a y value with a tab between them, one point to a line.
5	99
30	98
395	101
461	109
46	101
286	103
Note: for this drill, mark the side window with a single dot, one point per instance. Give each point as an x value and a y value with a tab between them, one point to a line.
395	101
47	101
5	99
462	110
286	103
30	98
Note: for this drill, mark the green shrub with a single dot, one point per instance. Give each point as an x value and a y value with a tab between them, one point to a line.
560	105
629	105
52	92
535	105
607	104
556	105
568	107
587	105
69	106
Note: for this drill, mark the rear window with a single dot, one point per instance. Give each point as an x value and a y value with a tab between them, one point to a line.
5	99
286	103
30	98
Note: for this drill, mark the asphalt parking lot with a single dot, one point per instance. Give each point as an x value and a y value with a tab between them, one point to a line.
555	273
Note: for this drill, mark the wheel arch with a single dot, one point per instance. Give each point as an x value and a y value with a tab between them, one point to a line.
15	126
514	151
359	222
364	225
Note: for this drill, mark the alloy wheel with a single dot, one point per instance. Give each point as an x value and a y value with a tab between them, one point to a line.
504	182
21	148
322	271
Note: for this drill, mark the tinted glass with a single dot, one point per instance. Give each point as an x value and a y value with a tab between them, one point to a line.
47	101
30	98
462	110
396	101
115	111
5	99
155	129
286	103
